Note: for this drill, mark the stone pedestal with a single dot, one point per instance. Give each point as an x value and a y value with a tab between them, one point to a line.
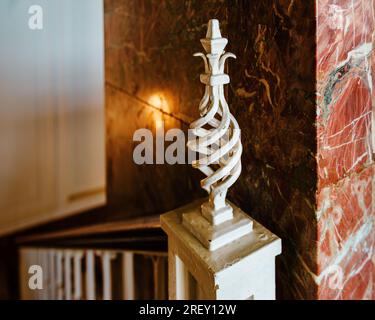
240	269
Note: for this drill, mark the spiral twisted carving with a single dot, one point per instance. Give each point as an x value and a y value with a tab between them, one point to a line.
217	134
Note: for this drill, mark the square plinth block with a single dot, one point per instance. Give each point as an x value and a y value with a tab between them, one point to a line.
241	269
214	236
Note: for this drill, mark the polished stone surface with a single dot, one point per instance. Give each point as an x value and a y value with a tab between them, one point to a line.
345	195
272	96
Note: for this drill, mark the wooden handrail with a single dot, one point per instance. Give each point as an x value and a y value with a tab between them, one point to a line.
137	224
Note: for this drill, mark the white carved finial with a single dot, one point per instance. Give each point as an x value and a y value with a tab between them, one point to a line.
214	242
218	134
213	30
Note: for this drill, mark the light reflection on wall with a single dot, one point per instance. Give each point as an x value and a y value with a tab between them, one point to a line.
158	100
158	120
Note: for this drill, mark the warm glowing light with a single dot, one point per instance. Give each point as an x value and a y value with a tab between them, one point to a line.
158	120
158	101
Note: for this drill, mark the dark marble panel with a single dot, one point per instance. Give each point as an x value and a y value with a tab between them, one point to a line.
150	46
272	96
148	188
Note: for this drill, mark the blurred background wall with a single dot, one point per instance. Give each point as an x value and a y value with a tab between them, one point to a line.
52	128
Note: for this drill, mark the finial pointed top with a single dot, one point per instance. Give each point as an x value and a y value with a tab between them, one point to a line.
214	43
213	30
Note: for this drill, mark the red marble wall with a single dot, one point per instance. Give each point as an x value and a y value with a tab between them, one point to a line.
345	194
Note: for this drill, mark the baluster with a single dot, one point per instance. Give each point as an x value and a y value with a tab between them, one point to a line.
24	276
59	269
90	275
107	256
182	281
159	277
39	262
77	275
128	275
52	274
45	271
29	258
68	274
